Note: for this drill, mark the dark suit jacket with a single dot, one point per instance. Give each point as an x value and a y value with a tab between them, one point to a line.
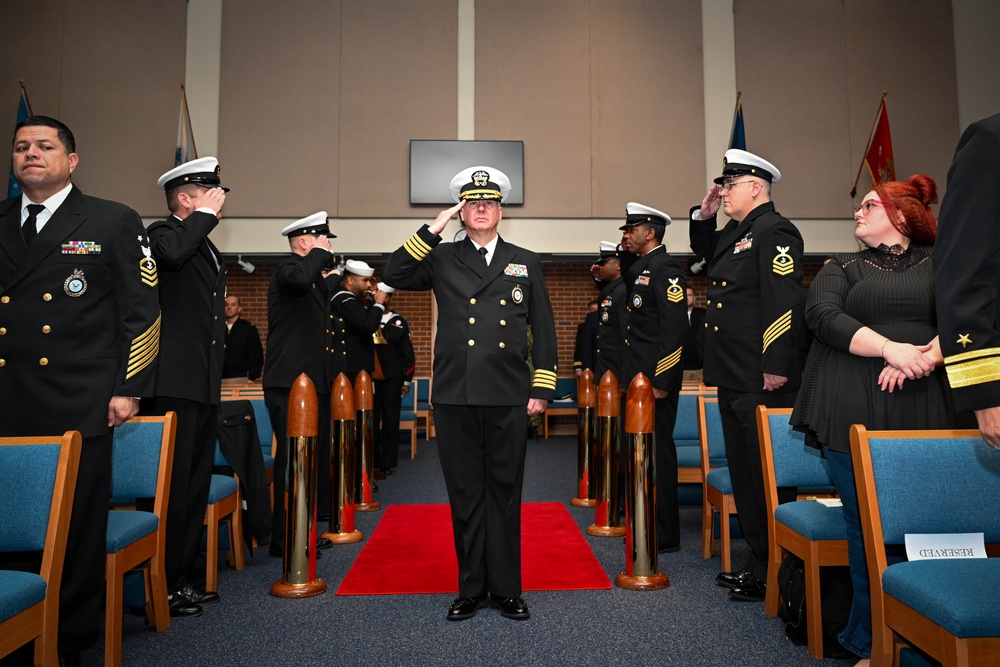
967	269
585	346
694	346
192	299
611	330
754	320
396	357
353	328
77	328
298	322
244	354
656	321
481	348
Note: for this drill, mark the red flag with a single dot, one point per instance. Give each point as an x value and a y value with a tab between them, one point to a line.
879	155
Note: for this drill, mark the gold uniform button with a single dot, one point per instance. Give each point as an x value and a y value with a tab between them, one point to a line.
45	329
471	343
3	331
503	323
472	301
213	342
4	299
718	305
502	346
708	302
503	302
215	318
43	362
713	283
46	297
3	362
715	328
472	320
706	325
215	294
723	283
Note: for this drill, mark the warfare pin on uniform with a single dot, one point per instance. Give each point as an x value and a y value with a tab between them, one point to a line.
76	284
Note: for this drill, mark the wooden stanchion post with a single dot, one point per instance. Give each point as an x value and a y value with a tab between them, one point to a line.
607	520
364	411
641	568
299	578
343	463
586	402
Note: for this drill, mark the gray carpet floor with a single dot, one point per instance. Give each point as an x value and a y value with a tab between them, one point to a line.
691	622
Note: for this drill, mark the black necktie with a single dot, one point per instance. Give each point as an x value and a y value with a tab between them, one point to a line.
483	251
28	229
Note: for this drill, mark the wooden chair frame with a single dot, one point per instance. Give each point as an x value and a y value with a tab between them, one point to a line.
814	553
147	553
713	500
895	624
228	509
40	622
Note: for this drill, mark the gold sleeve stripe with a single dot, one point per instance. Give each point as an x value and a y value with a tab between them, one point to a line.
668	362
144	349
972	354
544	379
780	326
974	372
417	248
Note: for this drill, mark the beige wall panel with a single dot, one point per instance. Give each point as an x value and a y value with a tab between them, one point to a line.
533	84
914	60
41	69
791	67
399	82
279	107
114	77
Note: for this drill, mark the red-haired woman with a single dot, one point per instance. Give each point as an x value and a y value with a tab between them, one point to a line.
875	358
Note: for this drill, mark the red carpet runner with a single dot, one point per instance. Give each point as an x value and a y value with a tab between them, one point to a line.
412	550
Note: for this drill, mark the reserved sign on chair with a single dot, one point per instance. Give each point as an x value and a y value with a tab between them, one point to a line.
945	545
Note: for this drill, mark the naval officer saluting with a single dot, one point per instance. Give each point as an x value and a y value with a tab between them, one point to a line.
487	292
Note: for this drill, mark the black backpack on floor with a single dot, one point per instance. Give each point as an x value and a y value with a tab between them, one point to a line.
837	593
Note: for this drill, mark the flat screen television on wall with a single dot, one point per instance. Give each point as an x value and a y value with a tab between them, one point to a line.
434	163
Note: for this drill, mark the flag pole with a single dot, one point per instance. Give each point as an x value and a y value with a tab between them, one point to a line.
871	135
187	115
24	89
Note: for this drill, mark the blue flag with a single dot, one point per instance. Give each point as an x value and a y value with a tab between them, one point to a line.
186	150
738	138
23	111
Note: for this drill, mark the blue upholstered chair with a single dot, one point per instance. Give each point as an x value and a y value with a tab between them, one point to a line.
265	432
565	408
141	464
224	505
717	487
918	482
814	532
422	405
408	425
38	478
687	438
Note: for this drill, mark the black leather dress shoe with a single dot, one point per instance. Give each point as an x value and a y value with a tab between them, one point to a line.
667	548
181	607
512	608
463	608
733	579
753	590
323	543
198	595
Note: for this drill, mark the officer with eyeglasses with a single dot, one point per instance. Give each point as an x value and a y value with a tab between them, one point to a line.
755	335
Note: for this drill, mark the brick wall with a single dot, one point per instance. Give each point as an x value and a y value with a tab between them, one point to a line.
570	287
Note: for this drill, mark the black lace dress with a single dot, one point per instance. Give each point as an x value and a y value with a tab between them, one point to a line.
889	290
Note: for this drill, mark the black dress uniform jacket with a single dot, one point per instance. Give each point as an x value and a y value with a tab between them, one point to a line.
396	357
75	329
481	349
353	325
754	318
611	330
193	295
244	355
298	335
657	324
967	269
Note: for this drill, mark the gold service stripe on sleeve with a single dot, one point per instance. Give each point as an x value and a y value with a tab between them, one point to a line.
144	349
417	248
780	326
973	372
668	362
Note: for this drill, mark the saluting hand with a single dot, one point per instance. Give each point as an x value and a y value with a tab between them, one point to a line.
711	203
214	199
444	217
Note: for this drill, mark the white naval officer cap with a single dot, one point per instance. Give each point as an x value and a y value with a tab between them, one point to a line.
204	172
636	214
480	183
359	268
608	251
386	288
741	163
311	224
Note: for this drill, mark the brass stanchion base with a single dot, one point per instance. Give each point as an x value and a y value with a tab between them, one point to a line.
583	502
373	506
636	583
602	531
280	589
344	538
